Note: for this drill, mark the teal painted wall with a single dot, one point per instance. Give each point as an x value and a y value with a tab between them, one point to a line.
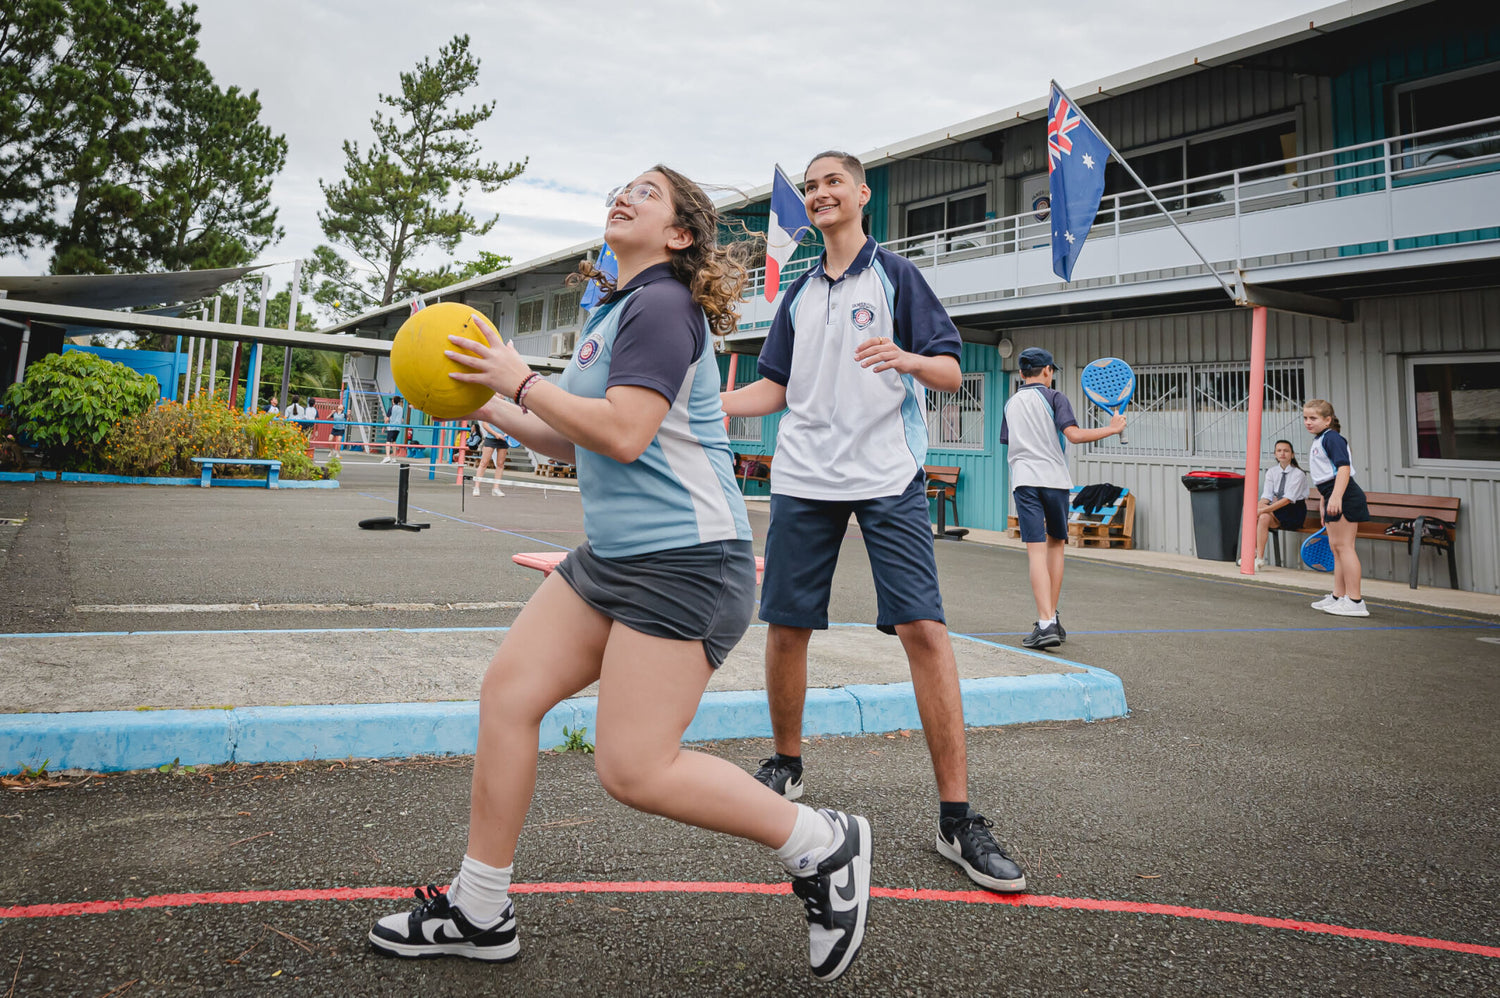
1363	108
984	481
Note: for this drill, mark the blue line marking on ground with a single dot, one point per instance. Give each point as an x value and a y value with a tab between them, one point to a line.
1258	630
471	523
266	630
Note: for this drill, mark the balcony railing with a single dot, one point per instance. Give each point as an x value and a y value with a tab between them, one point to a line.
1374	197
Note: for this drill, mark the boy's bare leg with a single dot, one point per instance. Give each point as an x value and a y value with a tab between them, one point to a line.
934	678
786	684
1039	561
1056	551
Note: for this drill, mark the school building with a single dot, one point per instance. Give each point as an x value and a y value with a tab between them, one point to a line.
1342	167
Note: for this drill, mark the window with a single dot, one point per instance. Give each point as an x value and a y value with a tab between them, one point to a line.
955	420
1164	168
949	212
565	307
529	315
1445	101
1455	407
1201	410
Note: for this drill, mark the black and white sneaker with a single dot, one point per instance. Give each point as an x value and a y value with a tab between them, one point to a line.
436	928
1062	635
781	776
968	842
837	897
1043	637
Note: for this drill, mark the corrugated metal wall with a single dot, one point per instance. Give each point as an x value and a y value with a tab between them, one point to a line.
984	481
1359	367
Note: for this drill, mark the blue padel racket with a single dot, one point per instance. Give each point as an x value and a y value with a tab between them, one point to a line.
1316	554
1109	383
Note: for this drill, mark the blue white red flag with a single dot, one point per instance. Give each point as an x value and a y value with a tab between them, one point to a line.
610	265
417	304
789	223
1076	155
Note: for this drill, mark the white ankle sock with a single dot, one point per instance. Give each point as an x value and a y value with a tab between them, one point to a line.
810	839
1048	622
481	891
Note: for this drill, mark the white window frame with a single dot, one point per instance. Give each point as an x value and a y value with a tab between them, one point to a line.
945	200
521	306
969	401
1410	384
563	307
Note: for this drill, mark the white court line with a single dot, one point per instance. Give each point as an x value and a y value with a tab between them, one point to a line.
287	607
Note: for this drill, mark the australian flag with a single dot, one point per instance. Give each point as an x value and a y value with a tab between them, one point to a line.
610	265
1076	155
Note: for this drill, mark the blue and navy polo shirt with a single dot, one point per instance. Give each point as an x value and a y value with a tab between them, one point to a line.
1329	453
681	491
849	433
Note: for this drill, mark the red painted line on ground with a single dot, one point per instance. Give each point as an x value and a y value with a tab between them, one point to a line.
711	887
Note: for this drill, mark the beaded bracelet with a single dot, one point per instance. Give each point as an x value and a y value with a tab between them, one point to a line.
525	389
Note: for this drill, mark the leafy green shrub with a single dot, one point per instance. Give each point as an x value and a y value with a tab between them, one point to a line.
68	403
12	455
163	440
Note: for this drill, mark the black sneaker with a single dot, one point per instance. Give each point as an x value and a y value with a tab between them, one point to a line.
968	842
436	928
837	897
1062	635
781	776
1043	637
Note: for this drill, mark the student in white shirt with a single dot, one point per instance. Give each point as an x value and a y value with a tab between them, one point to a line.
1283	499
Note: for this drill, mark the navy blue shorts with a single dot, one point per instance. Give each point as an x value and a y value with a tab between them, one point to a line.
1353	507
1291	516
802	550
1042	513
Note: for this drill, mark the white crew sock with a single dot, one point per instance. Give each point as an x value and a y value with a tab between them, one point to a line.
1048	622
811	838
481	891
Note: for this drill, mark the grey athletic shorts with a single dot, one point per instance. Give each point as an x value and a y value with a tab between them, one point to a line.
701	593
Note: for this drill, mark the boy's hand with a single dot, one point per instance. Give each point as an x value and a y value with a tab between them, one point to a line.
883	354
1117	425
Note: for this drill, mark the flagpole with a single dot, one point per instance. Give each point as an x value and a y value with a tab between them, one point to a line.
1142	184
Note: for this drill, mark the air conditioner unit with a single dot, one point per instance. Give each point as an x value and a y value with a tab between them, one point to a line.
561	345
570	340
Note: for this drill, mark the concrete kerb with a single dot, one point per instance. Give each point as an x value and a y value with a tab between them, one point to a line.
113	741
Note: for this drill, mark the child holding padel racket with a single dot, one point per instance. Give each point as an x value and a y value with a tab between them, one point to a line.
1037	420
1344	507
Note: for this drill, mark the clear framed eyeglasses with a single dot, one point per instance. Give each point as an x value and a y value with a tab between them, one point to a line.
631	195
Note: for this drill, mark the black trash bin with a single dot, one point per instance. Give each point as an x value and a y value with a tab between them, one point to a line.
1218	500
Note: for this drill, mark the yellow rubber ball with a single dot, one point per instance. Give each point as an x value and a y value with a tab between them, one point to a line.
421	370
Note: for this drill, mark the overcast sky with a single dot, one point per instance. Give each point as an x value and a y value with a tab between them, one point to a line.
595	92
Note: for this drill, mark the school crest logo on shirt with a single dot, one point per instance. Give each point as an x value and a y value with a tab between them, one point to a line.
862	315
588	351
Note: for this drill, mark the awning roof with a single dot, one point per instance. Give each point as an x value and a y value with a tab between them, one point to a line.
122	290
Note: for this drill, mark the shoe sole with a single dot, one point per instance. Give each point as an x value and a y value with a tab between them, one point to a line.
1346	613
861	864
1051	641
954	854
412	951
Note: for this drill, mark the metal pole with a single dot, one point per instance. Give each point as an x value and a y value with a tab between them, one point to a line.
734	360
213	353
253	392
239	345
291	326
1254	406
25	345
187	381
1142	184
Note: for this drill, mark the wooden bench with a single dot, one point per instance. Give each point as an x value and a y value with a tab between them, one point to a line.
273	471
753	468
1107	527
546	561
942	485
1393	507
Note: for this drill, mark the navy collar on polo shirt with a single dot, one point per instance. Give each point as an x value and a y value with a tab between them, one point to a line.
655	272
862	260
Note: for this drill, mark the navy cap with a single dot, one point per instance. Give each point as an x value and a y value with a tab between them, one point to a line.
1035	358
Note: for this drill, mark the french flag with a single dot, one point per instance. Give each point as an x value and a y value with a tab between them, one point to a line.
789	223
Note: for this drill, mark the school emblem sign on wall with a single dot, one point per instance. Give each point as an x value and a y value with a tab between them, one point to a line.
863	315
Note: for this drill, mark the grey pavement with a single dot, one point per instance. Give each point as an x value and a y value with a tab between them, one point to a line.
1277	762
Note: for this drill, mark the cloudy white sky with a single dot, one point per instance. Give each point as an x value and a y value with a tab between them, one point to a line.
594	92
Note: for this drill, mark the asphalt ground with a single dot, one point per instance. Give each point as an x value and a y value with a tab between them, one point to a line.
1277	764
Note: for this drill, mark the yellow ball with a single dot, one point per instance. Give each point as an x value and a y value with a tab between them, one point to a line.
421	370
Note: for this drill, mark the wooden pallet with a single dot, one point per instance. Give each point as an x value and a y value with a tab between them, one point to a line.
556	471
1116	532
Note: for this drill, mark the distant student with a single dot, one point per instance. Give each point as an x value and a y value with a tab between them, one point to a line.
1344	507
495	444
340	419
294	410
394	424
274	408
1037	419
1283	499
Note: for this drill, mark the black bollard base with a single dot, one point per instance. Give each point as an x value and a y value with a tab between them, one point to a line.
397	522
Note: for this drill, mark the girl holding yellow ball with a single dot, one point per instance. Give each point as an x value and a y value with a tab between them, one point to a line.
651	603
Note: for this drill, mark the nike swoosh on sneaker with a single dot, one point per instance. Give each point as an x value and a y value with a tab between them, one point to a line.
438	932
845	891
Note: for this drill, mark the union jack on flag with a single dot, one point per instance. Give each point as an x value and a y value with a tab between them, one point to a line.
1076	155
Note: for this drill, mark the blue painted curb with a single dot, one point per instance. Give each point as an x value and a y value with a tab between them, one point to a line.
115	740
17	476
84	476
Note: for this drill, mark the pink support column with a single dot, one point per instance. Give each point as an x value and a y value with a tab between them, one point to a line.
734	362
1255	404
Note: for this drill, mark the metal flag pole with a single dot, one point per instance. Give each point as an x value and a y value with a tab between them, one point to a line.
1142	184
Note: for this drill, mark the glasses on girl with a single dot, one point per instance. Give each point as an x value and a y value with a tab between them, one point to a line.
631	195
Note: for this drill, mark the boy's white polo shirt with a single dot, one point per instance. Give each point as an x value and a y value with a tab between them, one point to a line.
849	433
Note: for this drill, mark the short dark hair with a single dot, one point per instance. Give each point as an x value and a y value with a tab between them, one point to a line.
851	163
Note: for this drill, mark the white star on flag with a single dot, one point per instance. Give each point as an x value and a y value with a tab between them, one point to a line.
1088	161
1069	237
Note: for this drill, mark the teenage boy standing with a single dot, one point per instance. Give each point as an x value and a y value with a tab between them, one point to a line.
853	345
1037	420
